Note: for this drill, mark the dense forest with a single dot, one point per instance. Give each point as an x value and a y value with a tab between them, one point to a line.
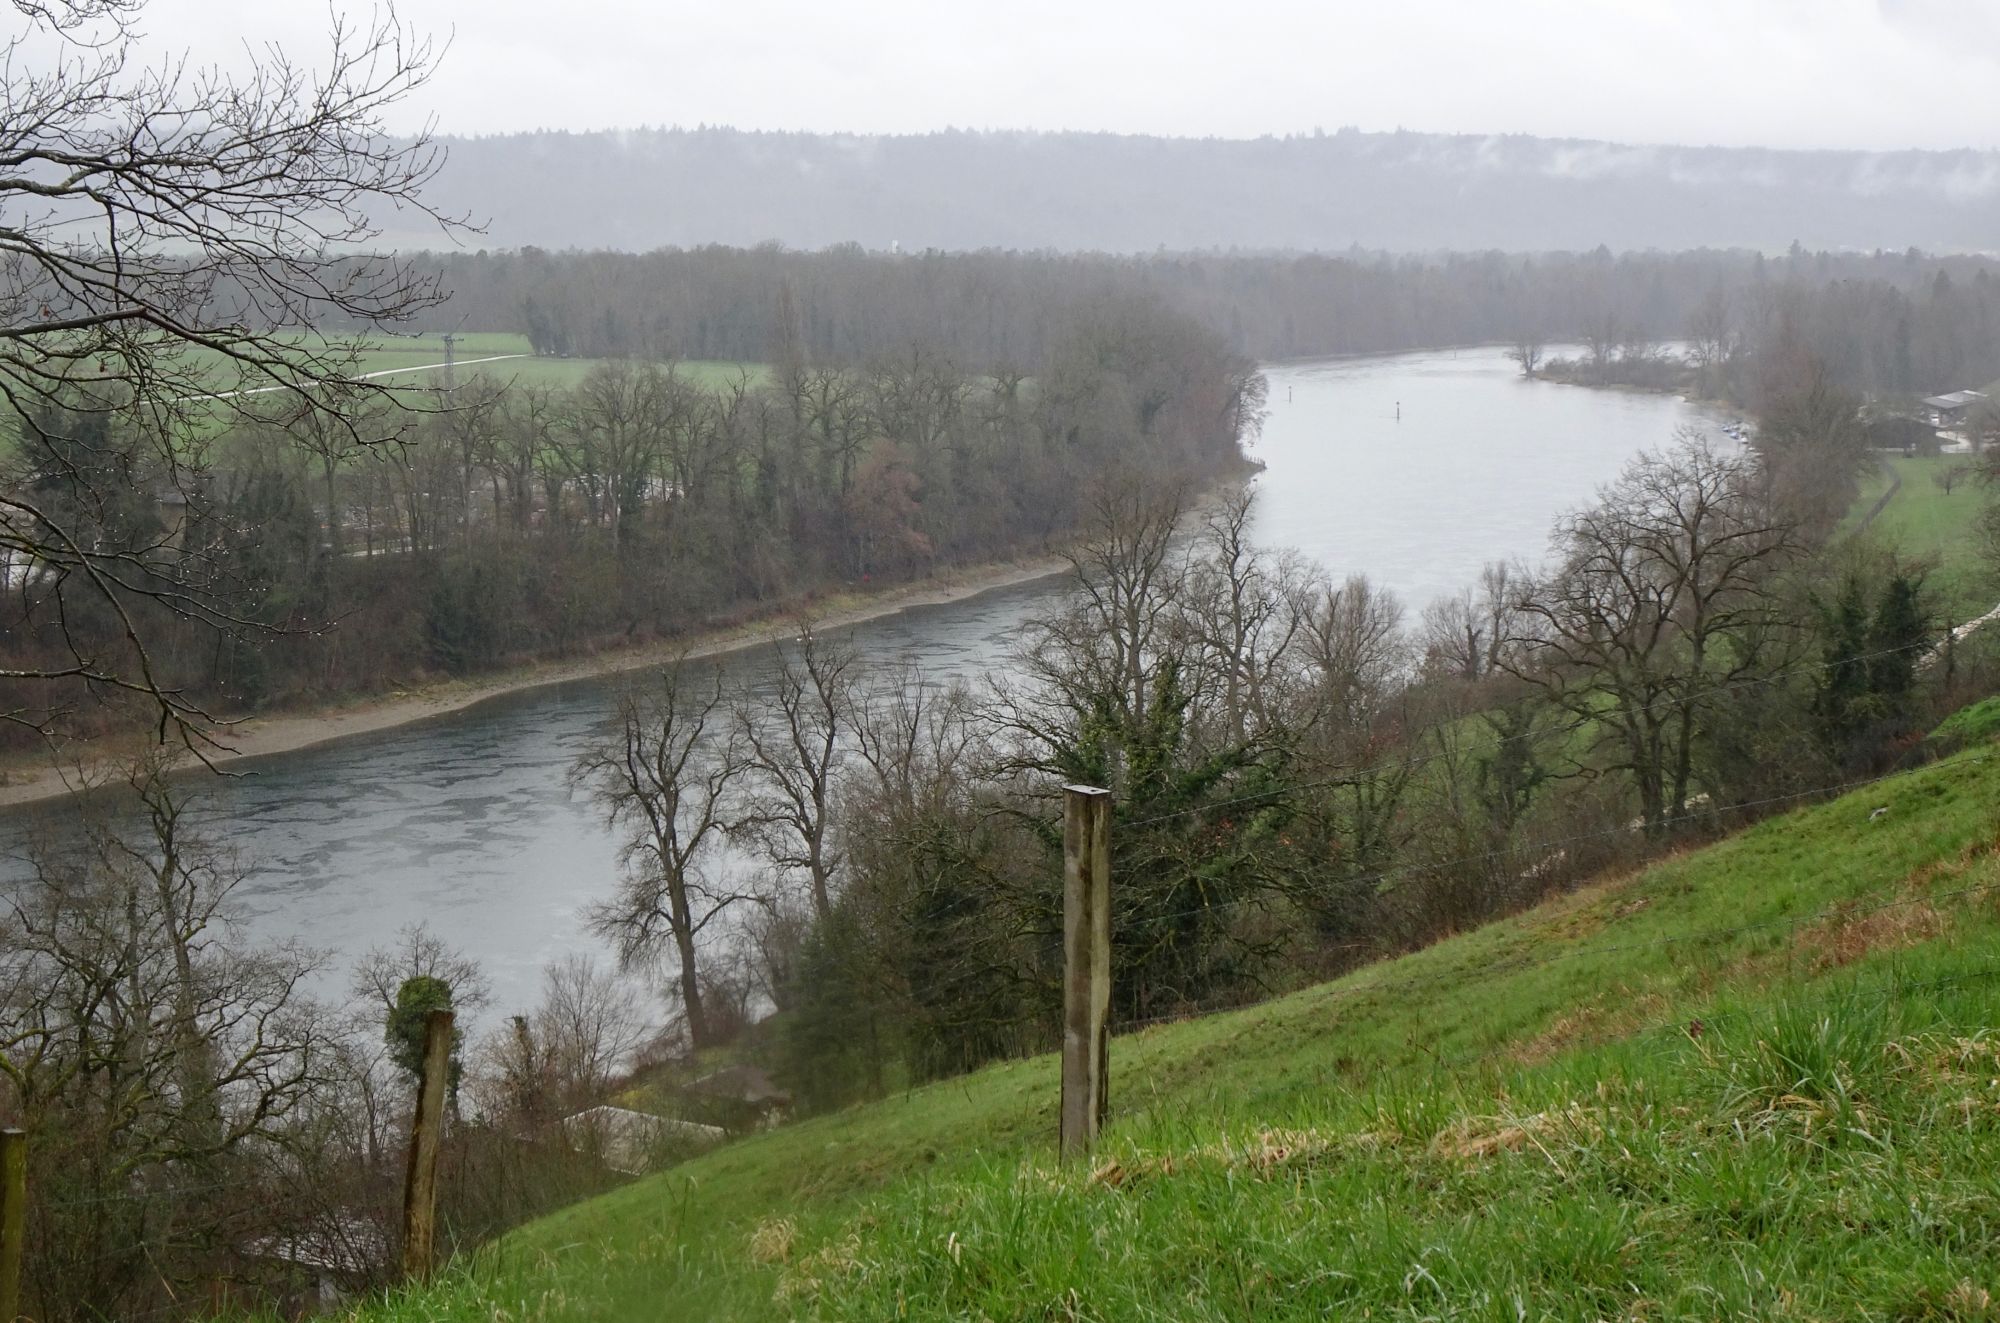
1312	192
287	557
1884	323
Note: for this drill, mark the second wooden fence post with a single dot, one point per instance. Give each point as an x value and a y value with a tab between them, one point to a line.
1086	966
420	1184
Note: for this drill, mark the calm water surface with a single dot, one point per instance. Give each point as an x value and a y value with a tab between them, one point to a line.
466	821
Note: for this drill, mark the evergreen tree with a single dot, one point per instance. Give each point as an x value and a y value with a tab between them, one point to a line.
1896	641
1843	699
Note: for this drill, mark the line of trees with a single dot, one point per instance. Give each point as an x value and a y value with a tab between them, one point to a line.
1884	323
1305	776
285	558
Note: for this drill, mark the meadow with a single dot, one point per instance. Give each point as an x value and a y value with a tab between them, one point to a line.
1923	520
418	360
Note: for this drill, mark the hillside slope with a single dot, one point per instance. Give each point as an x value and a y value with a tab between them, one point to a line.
1403	192
1756	1079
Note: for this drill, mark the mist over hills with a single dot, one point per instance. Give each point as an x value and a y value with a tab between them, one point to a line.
643	189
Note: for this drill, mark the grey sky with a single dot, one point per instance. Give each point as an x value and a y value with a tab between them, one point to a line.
1793	73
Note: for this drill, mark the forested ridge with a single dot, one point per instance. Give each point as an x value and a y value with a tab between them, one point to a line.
639	189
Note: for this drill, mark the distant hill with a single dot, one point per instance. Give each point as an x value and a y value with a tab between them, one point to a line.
645	189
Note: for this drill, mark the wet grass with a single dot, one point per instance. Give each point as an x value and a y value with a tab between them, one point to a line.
1923	521
1755	1080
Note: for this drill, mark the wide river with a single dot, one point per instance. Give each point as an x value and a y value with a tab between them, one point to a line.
1414	469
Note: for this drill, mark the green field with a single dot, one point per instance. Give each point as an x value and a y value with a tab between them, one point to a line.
1758	1080
1921	520
416	361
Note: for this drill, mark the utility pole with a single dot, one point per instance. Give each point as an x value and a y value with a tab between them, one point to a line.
1086	967
451	361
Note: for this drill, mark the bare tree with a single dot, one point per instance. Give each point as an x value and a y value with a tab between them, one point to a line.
1712	340
1527	350
1665	598
419	953
158	1062
1464	634
1107	645
794	742
1948	477
563	1056
1241	606
1352	649
1602	334
173	238
668	780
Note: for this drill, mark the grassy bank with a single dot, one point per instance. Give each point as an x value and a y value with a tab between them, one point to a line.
1923	520
1752	1080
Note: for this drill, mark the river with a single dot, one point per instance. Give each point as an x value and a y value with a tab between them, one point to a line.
1413	469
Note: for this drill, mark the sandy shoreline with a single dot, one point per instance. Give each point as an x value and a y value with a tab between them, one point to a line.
261	737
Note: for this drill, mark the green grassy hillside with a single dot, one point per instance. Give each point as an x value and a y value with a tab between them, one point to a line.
1755	1080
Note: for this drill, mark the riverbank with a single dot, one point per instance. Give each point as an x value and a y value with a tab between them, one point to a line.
26	782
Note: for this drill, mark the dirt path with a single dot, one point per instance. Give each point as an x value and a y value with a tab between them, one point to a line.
260	737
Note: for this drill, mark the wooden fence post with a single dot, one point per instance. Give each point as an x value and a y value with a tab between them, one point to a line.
13	1218
1086	966
420	1184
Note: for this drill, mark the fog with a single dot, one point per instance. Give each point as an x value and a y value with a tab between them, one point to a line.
1404	192
1880	74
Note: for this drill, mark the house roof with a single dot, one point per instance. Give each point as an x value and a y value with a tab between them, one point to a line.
339	1242
1957	399
627	1139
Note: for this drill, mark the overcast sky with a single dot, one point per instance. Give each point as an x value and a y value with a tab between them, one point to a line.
1792	73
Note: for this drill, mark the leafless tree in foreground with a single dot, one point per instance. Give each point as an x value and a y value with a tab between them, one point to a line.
170	240
166	1071
667	779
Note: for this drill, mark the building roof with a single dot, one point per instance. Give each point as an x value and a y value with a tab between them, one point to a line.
339	1242
1957	399
627	1140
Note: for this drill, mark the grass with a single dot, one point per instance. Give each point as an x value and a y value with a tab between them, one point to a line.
414	360
1923	521
1976	722
1754	1080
